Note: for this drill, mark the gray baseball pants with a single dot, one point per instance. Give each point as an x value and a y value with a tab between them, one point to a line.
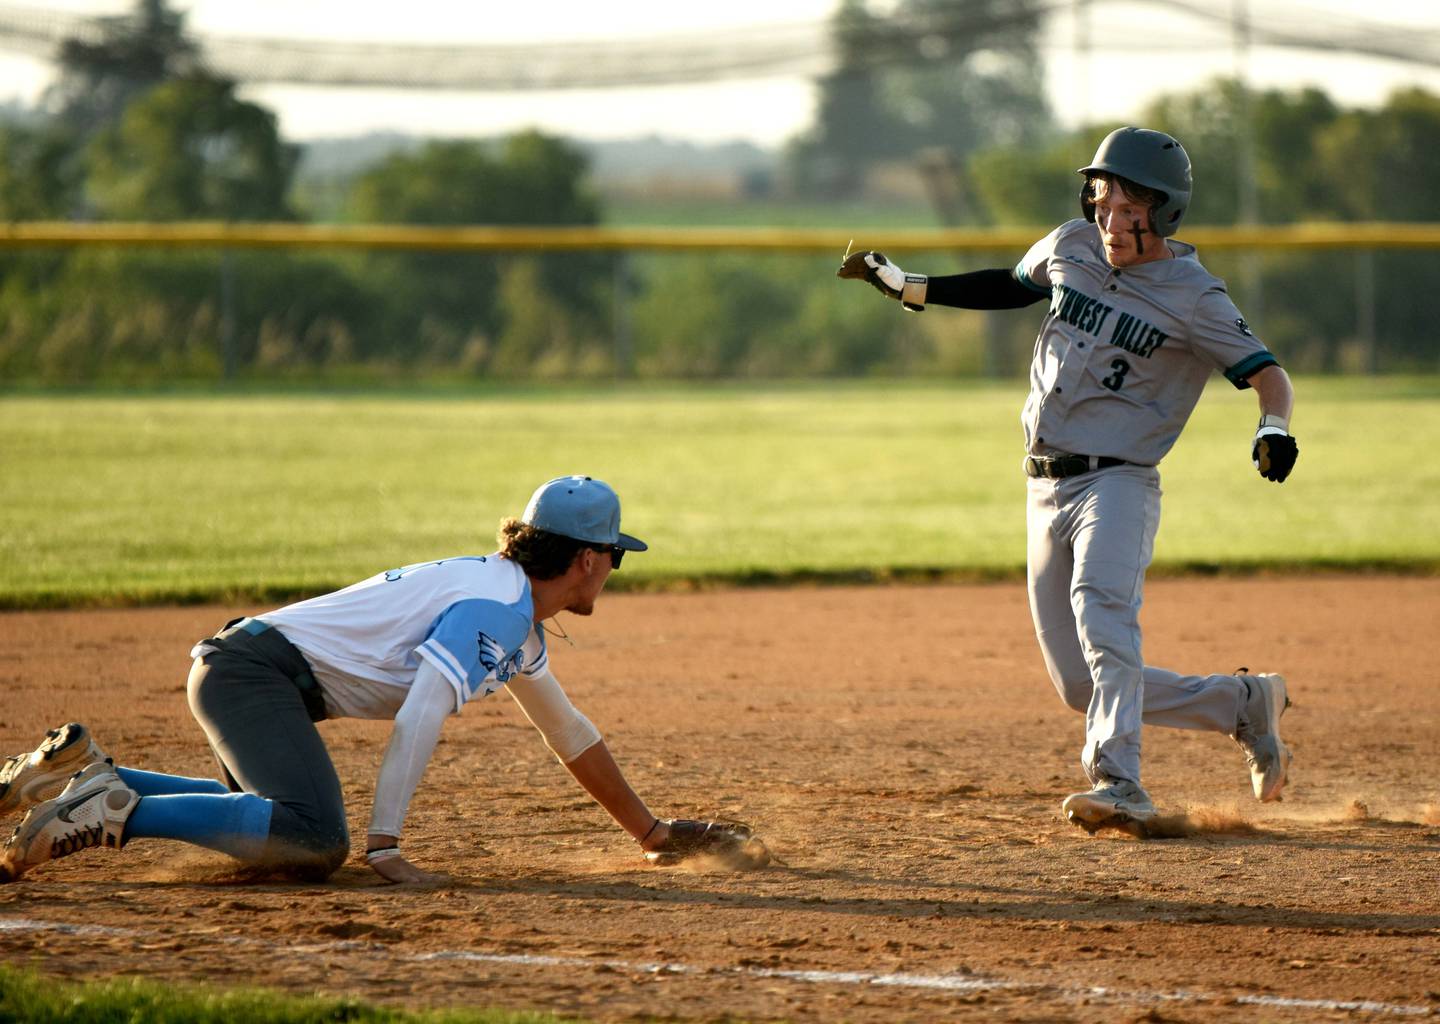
245	697
1091	538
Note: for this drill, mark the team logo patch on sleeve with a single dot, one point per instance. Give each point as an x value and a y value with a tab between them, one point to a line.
1244	328
494	659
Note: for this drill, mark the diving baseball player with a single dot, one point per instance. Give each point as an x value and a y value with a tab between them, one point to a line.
1134	328
414	644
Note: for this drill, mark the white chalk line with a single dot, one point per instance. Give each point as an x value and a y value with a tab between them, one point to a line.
898	979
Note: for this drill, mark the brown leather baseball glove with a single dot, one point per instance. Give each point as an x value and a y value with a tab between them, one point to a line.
732	844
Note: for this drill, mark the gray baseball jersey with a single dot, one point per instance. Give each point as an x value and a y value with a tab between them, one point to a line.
1124	354
1121	359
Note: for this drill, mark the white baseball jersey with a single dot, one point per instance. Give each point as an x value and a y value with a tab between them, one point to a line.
470	617
1124	353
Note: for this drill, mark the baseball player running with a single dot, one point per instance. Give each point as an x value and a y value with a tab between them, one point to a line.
415	644
1134	328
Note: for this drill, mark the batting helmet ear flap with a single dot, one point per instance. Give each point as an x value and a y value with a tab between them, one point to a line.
1087	201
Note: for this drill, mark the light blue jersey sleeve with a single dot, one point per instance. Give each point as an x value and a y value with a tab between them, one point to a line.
477	645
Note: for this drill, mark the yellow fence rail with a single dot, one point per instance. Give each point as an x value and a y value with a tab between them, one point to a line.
200	234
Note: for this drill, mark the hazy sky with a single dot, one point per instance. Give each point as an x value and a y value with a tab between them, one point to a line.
1135	51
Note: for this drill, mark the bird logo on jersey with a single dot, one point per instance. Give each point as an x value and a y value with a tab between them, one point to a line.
494	659
1244	328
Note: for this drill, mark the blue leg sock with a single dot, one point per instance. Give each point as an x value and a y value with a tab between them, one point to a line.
235	823
155	784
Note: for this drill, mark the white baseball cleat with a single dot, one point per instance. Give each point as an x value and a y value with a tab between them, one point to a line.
27	779
1113	803
90	812
1258	733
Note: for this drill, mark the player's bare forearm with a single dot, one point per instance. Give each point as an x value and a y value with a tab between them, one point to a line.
1277	396
601	777
1275	449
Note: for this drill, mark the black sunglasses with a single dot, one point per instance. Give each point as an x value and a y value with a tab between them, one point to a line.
616	553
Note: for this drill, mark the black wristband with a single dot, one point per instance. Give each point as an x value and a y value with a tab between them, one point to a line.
647	835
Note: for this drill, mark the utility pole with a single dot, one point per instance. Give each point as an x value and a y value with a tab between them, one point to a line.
950	194
229	357
1248	198
622	337
1081	85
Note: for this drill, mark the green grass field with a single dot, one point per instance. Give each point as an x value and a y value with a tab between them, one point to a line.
121	498
30	998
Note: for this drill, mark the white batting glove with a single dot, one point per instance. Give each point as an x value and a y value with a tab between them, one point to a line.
893	282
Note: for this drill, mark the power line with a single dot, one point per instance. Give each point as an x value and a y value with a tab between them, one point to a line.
803	49
797	49
1287	26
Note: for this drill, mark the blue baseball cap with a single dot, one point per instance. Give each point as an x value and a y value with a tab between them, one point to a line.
581	508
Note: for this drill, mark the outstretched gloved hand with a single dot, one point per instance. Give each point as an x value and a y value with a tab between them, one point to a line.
732	844
887	277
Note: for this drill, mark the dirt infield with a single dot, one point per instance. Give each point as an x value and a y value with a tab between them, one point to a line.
904	754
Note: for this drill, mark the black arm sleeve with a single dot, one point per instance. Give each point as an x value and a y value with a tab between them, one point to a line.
982	289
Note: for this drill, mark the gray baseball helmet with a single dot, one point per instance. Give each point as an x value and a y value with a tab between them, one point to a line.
1148	158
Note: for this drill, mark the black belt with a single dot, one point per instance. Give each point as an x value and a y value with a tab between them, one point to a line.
1056	467
265	641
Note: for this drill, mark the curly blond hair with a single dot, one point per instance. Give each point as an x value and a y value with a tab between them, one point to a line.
543	555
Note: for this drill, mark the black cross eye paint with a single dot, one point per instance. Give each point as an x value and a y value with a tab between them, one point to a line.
1139	233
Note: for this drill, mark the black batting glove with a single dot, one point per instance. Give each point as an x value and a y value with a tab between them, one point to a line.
1274	453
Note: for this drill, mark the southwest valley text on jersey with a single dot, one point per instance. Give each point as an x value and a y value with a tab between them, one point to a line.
1089	314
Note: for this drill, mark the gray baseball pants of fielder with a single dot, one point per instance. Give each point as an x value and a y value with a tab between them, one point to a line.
246	698
1091	538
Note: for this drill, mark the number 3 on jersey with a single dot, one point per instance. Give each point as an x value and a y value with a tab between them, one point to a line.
1116	379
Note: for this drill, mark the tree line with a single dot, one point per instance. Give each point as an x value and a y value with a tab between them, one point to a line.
136	128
